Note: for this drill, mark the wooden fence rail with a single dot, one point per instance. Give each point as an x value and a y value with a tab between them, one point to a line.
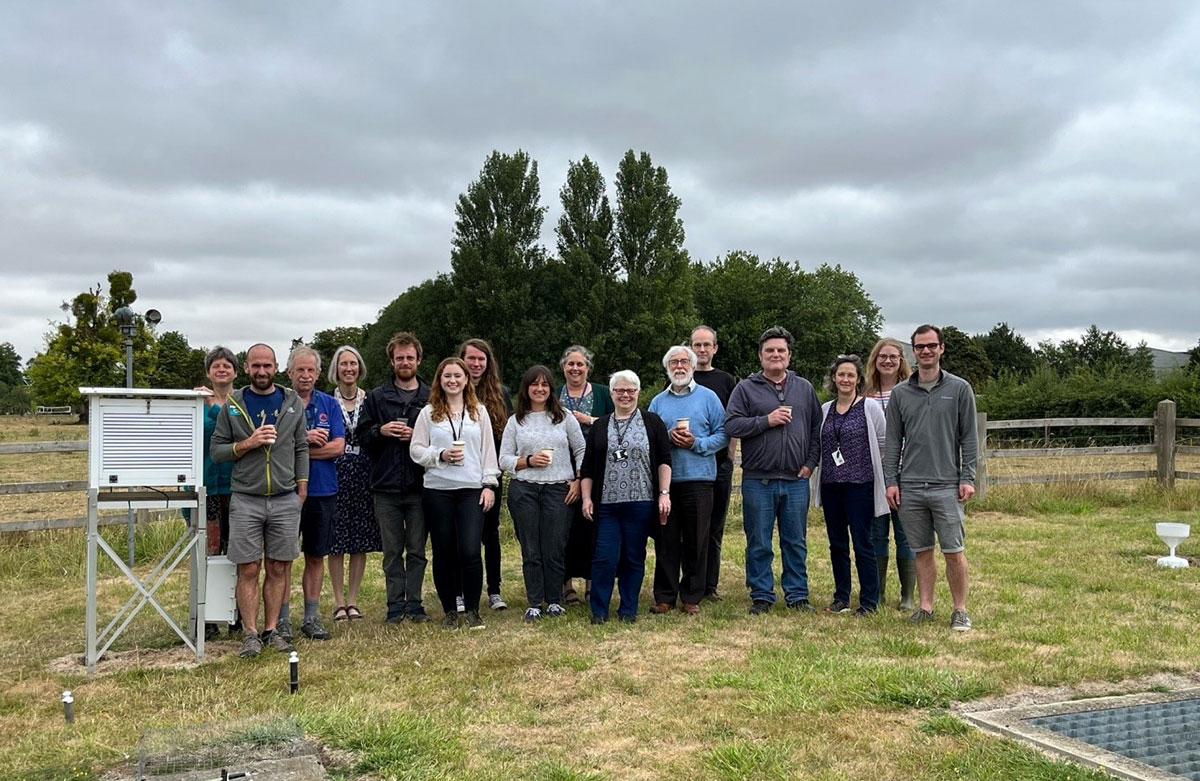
1163	445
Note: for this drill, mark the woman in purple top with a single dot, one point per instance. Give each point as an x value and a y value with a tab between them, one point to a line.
851	486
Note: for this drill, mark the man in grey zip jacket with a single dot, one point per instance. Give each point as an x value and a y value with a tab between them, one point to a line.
929	467
777	417
262	430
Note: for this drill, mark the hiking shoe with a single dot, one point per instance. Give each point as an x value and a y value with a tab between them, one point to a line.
252	646
760	606
960	621
802	605
314	630
284	627
554	610
459	605
496	602
864	612
418	617
280	643
396	619
713	596
599	619
533	614
474	620
450	621
627	618
837	606
921	616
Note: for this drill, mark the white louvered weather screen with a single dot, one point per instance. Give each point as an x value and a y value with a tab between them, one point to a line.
146	442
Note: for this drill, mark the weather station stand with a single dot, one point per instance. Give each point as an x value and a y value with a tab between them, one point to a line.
145	452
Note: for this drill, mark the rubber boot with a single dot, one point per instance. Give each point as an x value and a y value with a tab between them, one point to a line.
908	583
881	562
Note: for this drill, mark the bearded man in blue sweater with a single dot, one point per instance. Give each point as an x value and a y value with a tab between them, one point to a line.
695	420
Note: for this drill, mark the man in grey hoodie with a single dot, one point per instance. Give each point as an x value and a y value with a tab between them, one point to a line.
262	430
929	467
776	415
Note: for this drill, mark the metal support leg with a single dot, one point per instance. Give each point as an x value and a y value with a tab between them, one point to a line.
92	534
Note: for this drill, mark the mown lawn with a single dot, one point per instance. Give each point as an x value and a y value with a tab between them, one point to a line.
1064	590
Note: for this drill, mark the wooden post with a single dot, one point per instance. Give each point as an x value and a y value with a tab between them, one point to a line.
981	460
1164	437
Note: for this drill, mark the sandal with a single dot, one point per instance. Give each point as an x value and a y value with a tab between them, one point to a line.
353	612
571	598
341	613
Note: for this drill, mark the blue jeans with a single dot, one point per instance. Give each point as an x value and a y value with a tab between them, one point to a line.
849	513
621	532
762	502
879	535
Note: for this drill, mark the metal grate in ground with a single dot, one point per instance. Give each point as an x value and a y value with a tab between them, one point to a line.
1148	736
1165	735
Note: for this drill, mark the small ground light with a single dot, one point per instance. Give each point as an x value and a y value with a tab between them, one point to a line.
294	672
68	703
1172	534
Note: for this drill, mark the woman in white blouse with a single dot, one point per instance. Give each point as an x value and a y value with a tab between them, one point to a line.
542	449
452	439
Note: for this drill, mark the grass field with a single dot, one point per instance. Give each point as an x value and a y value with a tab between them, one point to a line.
1064	591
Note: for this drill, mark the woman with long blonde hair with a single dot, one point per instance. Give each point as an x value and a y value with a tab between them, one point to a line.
887	366
452	439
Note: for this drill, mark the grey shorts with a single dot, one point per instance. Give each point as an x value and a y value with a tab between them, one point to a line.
264	526
926	510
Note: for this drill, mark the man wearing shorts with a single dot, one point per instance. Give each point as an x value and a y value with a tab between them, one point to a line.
261	430
929	467
326	441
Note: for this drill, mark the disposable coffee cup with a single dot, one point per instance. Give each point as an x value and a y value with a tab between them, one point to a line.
460	444
682	424
787	407
548	452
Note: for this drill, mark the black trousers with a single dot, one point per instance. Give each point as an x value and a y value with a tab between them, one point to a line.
491	542
716	524
455	523
681	544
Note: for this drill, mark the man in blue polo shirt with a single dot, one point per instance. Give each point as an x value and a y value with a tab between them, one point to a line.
326	441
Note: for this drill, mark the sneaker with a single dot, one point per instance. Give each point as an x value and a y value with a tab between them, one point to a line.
284	627
599	619
474	620
450	621
921	616
625	618
459	605
801	605
554	610
496	602
314	630
252	646
864	612
760	606
713	596
280	643
960	621
418	618
533	614
837	606
397	619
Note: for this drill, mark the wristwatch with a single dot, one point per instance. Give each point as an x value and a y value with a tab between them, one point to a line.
664	492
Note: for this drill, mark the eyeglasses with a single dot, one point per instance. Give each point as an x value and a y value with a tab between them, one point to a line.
680	362
887	358
624	391
928	347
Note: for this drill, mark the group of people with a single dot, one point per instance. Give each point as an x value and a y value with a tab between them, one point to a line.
591	478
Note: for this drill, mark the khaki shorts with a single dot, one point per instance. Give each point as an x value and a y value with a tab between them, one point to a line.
926	510
264	526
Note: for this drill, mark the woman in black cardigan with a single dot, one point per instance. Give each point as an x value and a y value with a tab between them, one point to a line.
626	477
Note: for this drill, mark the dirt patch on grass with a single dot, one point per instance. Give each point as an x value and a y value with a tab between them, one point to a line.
175	658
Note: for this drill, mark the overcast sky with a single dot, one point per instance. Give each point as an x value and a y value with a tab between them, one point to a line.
267	170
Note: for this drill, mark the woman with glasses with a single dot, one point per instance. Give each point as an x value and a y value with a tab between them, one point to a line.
585	401
626	488
887	366
851	488
542	449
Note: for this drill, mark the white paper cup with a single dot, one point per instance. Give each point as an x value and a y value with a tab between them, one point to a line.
460	444
683	423
548	452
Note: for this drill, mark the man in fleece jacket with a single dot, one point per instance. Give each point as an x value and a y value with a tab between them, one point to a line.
776	415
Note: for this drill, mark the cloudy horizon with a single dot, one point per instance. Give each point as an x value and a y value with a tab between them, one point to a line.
269	171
